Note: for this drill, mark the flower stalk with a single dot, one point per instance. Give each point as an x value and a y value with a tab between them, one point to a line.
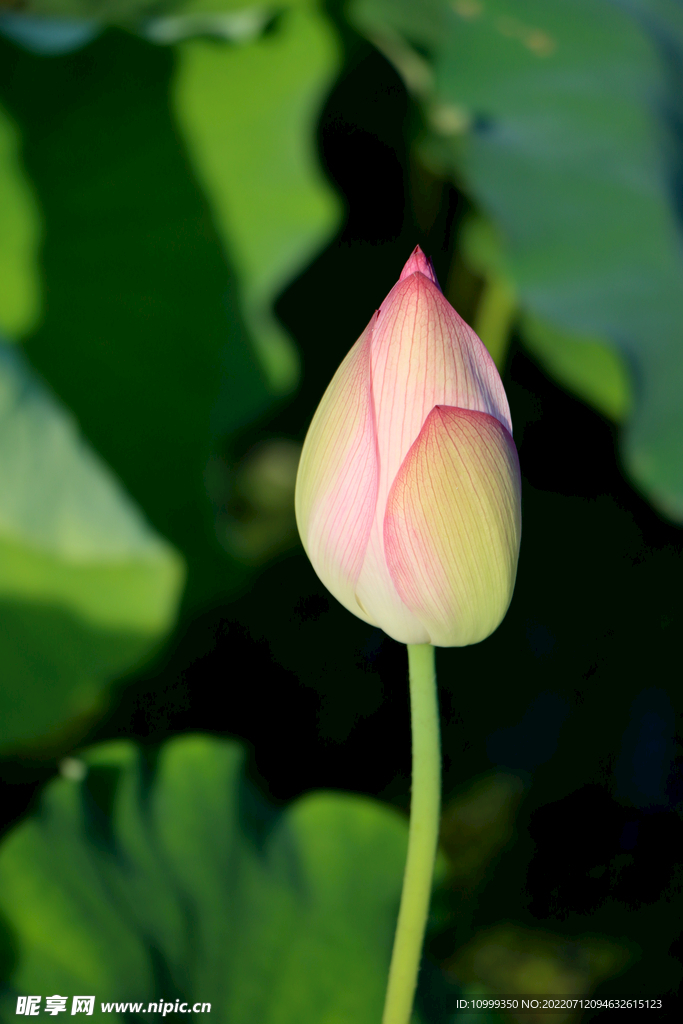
425	804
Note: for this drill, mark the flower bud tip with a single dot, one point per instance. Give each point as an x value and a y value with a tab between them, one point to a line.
419	264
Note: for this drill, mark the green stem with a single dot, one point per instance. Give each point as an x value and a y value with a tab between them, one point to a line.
422	838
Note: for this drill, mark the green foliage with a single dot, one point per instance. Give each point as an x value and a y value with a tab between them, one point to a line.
585	365
174	881
142	336
248	115
146	237
133	13
86	587
545	112
122	11
593	370
19	234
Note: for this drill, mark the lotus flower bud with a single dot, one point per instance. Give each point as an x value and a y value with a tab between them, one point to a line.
408	496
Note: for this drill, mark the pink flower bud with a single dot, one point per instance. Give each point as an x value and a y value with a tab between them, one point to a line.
408	496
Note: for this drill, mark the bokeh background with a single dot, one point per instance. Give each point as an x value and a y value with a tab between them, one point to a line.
201	206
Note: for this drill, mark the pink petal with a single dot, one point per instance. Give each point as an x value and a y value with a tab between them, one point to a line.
423	355
453	526
419	264
381	601
336	486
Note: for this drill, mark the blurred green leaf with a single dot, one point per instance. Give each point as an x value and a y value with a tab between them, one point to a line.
122	11
175	881
248	115
482	250
53	27
143	336
590	368
593	370
551	115
19	237
86	587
